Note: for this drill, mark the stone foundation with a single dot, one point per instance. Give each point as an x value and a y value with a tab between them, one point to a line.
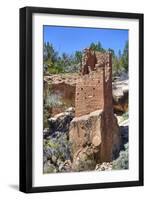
91	142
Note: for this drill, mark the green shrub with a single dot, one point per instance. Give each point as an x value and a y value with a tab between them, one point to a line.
59	146
53	100
125	116
122	162
55	69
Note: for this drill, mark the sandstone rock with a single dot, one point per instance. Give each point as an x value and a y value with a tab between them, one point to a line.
86	130
84	160
116	138
120	96
70	109
60	122
89	142
63	86
67	88
94	132
94	89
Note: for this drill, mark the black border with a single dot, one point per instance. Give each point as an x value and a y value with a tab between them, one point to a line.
25	164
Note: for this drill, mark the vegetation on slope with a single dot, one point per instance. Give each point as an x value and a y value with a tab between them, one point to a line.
54	63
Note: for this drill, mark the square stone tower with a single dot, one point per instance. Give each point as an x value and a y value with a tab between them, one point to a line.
94	90
94	93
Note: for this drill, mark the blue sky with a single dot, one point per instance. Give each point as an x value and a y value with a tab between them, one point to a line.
70	39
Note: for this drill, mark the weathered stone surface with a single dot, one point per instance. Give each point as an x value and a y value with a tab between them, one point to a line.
66	90
63	88
94	132
88	136
89	93
94	92
85	160
94	88
116	138
120	96
60	122
86	130
91	60
88	61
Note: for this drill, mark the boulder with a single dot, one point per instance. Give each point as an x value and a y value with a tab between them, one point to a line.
94	138
63	86
60	122
120	96
85	159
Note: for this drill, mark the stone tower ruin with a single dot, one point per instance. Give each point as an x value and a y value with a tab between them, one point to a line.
94	89
94	128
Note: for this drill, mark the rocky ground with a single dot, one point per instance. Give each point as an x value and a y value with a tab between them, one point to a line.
105	166
120	91
57	149
57	155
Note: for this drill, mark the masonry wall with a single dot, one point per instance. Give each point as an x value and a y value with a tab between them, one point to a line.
89	93
105	61
108	83
94	90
